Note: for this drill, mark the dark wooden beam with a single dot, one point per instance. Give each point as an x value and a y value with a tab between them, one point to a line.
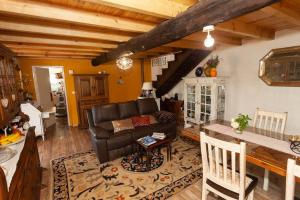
185	62
6	52
192	20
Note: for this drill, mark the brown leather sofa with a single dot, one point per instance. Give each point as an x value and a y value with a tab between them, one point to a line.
108	145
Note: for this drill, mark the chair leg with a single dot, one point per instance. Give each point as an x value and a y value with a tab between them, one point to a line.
204	191
266	180
251	196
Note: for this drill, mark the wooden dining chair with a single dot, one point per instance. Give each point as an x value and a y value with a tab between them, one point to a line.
222	178
3	186
271	121
292	171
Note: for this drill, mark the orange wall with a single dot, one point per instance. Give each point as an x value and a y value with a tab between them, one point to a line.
130	90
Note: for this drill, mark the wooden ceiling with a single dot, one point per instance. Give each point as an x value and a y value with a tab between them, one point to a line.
87	28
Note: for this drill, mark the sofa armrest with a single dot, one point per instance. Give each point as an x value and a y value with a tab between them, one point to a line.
165	117
98	132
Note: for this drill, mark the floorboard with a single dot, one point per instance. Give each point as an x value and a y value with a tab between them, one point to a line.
62	140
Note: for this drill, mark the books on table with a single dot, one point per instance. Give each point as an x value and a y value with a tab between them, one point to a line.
159	136
147	140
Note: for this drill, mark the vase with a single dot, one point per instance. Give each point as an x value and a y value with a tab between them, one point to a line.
213	72
238	130
199	72
207	71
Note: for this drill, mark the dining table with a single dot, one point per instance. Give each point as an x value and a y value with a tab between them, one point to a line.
266	149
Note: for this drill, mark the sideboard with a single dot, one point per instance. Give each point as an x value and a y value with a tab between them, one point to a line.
27	178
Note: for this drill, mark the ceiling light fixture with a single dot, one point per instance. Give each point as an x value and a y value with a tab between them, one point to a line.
209	40
124	62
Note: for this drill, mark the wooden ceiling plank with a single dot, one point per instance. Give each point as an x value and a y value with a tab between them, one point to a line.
54	52
248	30
284	11
64	14
191	21
220	39
34	56
23	39
170	9
58	31
157	8
53	48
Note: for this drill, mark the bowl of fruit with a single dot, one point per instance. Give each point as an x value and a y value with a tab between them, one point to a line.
295	143
13	136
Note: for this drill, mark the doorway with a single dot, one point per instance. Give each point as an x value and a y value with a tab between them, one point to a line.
50	90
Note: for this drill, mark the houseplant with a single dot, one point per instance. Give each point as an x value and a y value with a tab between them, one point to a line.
240	123
211	66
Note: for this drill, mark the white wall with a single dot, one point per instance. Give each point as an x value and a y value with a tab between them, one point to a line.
245	91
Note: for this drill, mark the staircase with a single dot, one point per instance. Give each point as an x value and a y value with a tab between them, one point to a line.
164	79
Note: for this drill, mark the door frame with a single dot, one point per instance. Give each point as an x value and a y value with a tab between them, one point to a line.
64	80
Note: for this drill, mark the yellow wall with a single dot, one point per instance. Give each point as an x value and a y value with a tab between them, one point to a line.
130	90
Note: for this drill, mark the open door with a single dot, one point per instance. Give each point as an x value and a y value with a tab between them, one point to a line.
42	87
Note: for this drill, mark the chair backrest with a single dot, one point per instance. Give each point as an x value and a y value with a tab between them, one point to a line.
293	170
272	121
214	152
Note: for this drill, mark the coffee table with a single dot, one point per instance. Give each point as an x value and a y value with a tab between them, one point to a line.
146	151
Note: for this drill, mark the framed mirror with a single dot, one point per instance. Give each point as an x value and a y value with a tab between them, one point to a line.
281	67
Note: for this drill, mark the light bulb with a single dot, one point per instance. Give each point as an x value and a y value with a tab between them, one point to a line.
209	41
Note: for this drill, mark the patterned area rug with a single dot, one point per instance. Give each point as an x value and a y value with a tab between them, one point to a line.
133	163
81	177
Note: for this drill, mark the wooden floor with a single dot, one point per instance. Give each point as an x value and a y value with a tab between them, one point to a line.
62	140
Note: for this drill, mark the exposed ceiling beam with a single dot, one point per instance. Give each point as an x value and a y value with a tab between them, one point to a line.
284	11
53	48
63	14
248	30
187	44
6	52
188	22
161	49
59	31
23	39
158	8
170	9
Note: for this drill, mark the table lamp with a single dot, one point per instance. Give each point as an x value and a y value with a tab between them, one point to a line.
147	88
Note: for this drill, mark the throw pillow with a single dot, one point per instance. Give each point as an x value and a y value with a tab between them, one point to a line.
164	116
152	119
140	121
120	125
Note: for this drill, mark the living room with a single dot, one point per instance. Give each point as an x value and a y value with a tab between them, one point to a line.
163	98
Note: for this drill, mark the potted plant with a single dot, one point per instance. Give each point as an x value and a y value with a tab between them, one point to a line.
211	66
240	123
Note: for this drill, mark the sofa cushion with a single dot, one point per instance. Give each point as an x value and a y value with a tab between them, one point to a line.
148	130
128	109
147	106
140	121
108	112
152	119
120	125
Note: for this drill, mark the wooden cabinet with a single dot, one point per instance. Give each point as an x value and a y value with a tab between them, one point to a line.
204	99
91	89
9	90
